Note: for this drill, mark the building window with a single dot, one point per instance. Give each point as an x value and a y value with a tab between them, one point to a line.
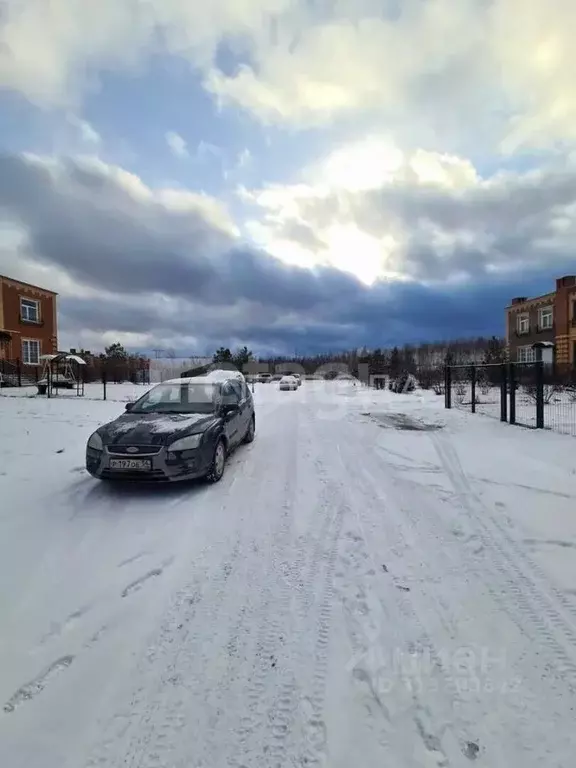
526	354
30	351
523	323
30	310
545	318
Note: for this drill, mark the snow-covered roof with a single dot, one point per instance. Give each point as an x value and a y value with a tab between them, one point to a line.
63	356
212	377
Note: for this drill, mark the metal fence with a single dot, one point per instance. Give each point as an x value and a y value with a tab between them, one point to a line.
99	376
537	395
13	373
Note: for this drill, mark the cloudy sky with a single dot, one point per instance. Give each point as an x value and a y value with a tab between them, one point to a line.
296	175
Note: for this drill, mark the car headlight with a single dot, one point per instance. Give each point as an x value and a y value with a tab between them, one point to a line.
186	443
95	442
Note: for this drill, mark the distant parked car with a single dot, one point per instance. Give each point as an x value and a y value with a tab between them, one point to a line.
181	429
288	383
265	378
298	378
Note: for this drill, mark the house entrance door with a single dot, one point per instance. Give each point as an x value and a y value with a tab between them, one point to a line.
5	345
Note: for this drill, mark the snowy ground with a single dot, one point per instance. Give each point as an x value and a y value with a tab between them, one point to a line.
559	407
92	391
375	582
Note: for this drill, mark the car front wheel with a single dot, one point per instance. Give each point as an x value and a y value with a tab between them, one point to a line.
218	463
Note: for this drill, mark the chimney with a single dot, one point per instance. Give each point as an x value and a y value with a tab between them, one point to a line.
519	300
565	282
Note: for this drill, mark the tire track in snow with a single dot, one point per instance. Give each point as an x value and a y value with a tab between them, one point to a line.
144	730
33	688
60	628
265	728
410	704
532	600
284	718
526	686
184	664
315	730
152	713
155	740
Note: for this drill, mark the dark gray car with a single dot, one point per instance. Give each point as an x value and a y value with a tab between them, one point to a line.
179	430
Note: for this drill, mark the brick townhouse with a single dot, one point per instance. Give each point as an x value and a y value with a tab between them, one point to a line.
28	321
548	318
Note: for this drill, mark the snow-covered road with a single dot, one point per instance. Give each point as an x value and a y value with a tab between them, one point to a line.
375	582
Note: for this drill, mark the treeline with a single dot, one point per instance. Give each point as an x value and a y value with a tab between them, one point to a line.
115	364
425	360
393	367
406	359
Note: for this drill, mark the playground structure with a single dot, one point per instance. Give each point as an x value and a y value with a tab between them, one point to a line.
61	371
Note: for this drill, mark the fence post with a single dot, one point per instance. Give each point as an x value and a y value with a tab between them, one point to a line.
19	371
104	382
503	393
447	387
473	386
539	394
512	387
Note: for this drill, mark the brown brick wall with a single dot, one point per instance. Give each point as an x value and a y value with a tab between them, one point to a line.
531	308
565	329
11	321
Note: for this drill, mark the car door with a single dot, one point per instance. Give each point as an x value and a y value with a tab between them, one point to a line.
241	391
231	396
245	408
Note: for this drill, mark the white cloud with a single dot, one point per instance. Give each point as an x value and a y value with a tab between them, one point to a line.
330	218
205	149
376	212
177	144
508	62
88	134
162	264
503	69
244	159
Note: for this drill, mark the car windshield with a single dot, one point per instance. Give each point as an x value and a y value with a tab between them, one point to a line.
179	398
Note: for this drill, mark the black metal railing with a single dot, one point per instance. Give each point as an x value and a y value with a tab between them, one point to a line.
536	395
15	373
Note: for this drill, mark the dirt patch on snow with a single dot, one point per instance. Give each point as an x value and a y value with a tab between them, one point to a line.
403	422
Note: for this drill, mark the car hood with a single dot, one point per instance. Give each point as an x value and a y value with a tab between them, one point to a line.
154	428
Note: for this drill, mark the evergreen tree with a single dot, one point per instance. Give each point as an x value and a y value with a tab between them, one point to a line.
242	357
495	351
395	364
116	351
222	355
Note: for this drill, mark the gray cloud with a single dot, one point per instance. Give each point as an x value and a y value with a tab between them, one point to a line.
171	268
509	222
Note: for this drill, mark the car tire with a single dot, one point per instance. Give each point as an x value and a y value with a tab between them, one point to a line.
218	465
251	431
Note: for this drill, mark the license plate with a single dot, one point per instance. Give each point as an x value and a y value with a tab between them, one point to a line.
142	465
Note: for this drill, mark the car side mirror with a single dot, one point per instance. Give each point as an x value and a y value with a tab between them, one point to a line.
129	406
229	408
